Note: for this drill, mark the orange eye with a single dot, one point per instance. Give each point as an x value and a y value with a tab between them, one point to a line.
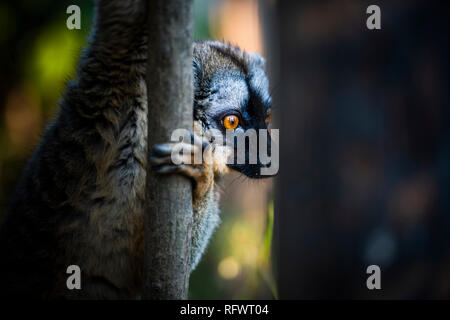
230	122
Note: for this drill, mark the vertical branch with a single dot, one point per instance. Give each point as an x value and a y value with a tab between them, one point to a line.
170	101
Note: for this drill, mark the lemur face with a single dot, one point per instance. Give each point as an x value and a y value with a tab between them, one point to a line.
232	94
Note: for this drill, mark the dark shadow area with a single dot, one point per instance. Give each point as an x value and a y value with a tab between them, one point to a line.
365	154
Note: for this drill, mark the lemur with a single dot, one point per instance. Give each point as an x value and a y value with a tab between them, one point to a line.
80	200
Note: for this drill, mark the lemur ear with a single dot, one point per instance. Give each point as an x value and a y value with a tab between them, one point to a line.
198	69
256	59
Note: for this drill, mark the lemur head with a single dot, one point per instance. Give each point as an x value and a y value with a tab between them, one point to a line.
231	93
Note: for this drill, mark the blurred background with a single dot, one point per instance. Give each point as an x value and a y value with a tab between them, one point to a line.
364	149
363	118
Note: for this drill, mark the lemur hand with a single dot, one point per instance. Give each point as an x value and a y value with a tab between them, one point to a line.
163	156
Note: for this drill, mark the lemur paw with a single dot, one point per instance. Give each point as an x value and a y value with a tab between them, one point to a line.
193	160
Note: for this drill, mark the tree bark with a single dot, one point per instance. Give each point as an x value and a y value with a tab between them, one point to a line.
169	198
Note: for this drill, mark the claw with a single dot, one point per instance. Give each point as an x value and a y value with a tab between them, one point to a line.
161	150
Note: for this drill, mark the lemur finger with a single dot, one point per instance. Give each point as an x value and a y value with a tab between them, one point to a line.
172	159
194	172
161	150
157	161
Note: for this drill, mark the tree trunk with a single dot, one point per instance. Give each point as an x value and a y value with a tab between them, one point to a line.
169	198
